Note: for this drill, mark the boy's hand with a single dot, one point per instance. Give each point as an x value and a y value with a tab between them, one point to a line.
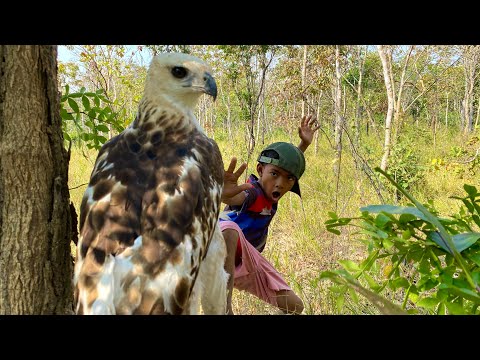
306	130
230	181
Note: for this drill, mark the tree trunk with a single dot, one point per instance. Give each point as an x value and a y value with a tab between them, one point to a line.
471	56
319	121
397	116
446	114
338	115
35	223
388	120
304	70
358	113
478	112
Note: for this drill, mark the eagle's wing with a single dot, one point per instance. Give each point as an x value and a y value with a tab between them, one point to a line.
146	221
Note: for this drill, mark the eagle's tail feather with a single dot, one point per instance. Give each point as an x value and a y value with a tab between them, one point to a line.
95	289
213	277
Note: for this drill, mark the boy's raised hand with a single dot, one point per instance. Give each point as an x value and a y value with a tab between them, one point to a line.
230	181
306	130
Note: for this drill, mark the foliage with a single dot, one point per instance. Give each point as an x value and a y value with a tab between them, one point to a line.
416	259
117	69
404	165
88	117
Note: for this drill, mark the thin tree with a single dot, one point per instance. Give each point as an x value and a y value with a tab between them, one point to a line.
386	65
471	58
338	113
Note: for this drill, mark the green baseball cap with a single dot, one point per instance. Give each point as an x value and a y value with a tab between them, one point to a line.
290	158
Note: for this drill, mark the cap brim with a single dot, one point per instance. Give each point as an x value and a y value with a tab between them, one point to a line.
296	188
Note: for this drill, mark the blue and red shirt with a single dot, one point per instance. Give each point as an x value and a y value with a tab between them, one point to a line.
254	215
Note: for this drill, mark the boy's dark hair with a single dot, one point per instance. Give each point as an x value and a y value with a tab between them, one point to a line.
271	154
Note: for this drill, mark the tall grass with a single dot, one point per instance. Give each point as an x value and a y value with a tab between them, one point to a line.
298	245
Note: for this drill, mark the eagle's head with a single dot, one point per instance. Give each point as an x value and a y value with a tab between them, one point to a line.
182	78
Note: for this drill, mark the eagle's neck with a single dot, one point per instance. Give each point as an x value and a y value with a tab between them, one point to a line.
165	114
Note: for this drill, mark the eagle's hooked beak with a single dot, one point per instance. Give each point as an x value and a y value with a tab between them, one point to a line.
210	85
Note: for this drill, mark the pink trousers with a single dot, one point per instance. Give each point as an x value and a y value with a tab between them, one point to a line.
255	274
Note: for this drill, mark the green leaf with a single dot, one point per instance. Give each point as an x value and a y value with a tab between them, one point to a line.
405	218
461	241
73	105
391	209
381	220
428	303
464	241
327	275
96	100
476	218
66	136
333	230
353	295
471	190
455	308
441	309
463	292
400	282
387	244
82	90
349	265
371	282
332	215
86	103
66	115
339	302
99	91
475	258
476	276
102	128
92	114
67	88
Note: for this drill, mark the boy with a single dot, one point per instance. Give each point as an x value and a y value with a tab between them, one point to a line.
246	218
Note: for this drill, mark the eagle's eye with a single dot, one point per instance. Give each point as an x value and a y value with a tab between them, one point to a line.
179	72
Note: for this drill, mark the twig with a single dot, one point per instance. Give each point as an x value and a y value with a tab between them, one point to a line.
76	187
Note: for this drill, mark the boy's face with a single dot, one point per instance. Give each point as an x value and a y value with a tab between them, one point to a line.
275	181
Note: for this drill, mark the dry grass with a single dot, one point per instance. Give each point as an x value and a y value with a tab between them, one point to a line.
299	246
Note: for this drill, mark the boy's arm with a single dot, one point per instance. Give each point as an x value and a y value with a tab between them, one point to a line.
306	130
232	192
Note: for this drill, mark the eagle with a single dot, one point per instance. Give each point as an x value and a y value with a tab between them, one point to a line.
149	239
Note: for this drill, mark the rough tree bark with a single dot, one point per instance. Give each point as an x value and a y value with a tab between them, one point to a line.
35	223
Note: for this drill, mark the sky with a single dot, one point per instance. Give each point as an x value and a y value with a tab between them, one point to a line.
65	55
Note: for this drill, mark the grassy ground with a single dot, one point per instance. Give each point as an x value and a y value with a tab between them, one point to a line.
298	245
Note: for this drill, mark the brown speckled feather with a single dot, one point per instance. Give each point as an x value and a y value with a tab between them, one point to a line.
151	207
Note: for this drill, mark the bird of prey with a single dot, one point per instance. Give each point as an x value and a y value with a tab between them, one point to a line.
149	237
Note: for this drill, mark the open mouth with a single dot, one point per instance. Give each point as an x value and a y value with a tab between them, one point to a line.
276	195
